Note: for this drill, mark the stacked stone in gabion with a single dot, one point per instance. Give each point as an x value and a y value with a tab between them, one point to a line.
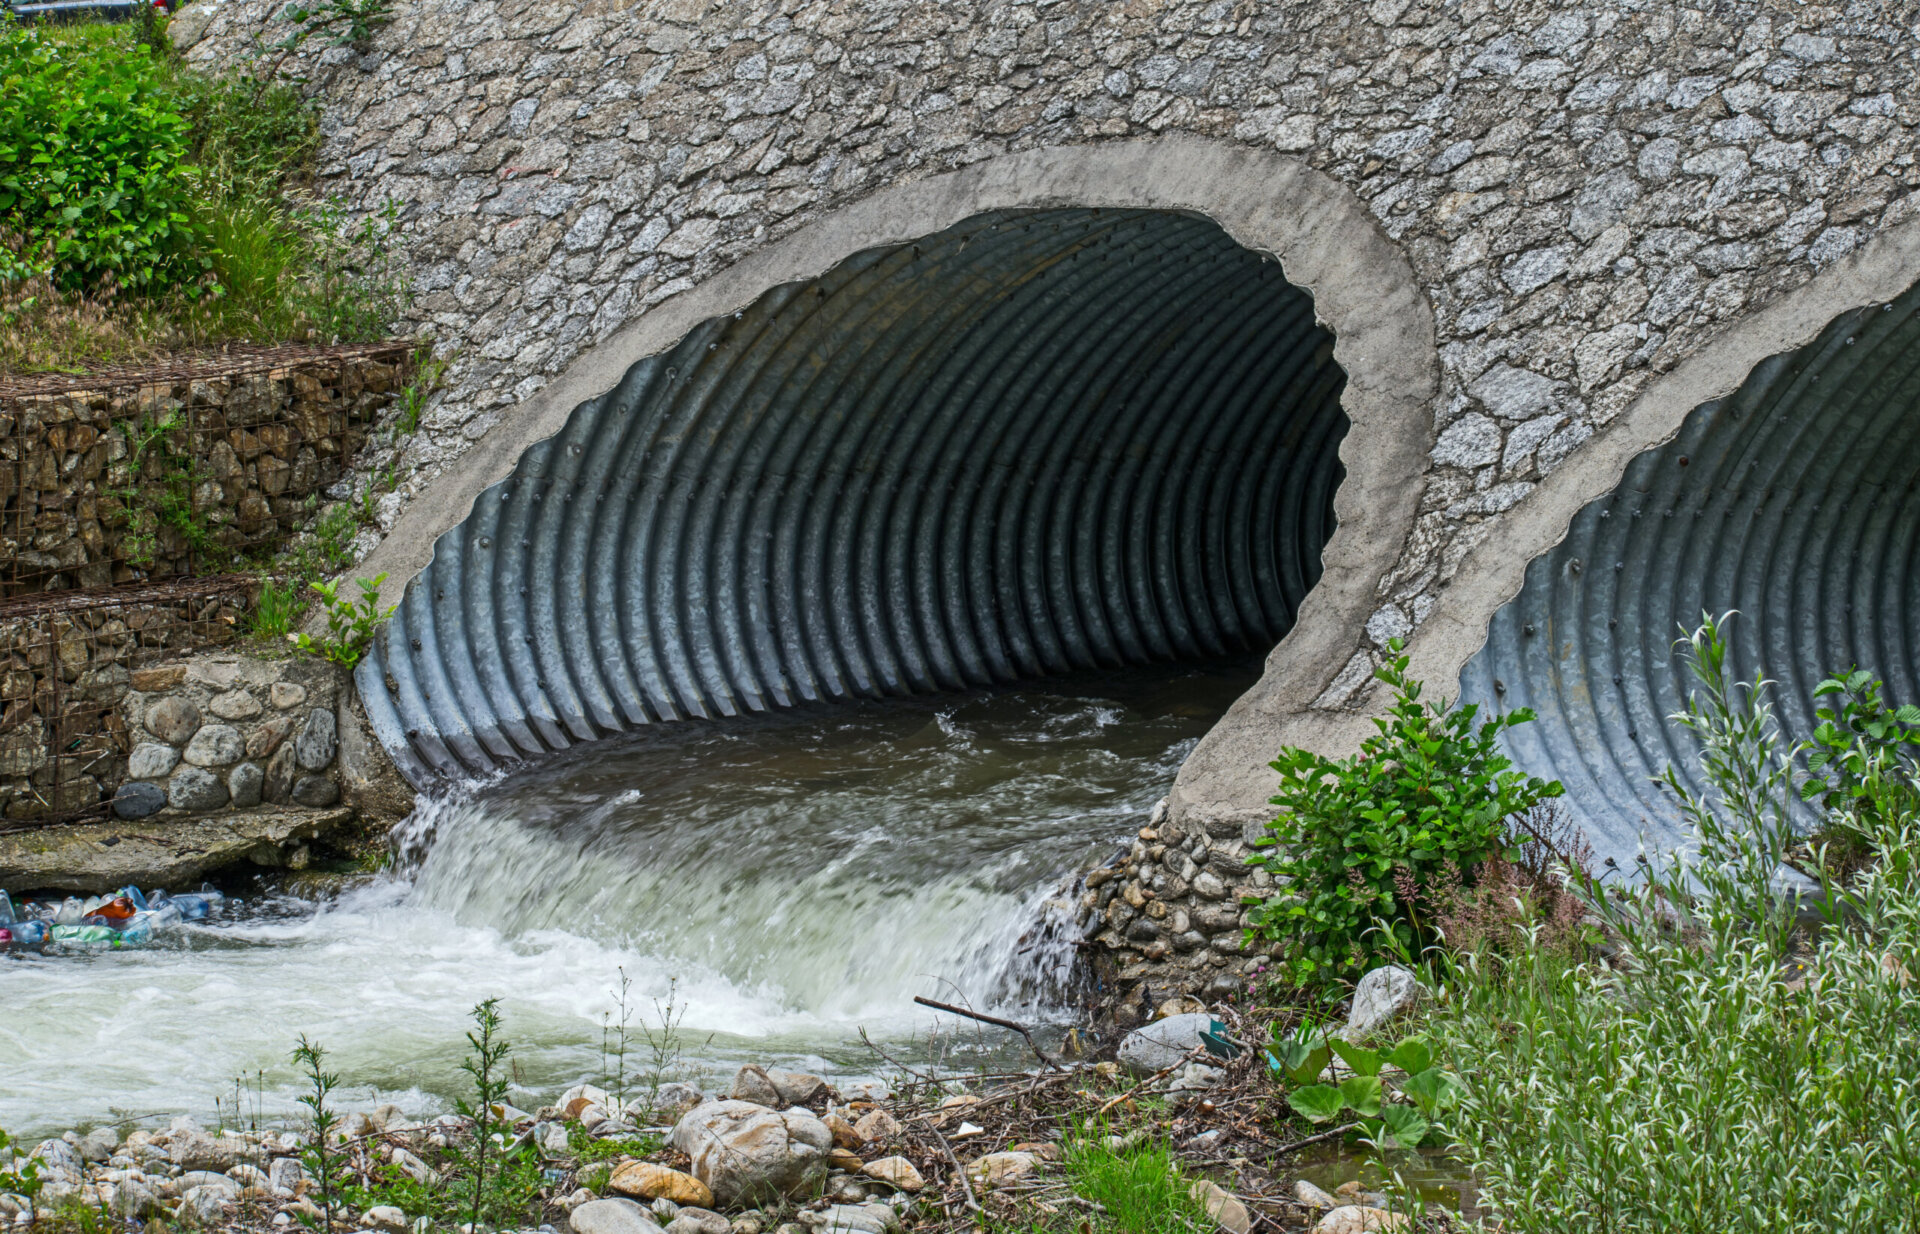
82	473
226	731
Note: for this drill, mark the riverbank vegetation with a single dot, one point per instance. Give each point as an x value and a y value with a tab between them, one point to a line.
147	206
1743	1051
1729	1044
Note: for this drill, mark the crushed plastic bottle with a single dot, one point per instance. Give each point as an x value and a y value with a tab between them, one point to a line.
95	935
126	918
28	933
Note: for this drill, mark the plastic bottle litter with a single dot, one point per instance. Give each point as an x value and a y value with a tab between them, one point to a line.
127	918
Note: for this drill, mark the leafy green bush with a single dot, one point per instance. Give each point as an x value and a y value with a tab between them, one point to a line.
1426	800
1723	1072
92	149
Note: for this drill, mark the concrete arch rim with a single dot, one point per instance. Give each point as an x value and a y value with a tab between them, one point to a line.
1493	572
1327	243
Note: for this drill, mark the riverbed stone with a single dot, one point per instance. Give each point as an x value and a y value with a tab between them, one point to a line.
696	1220
133	1200
286	695
384	1217
235	705
877	1126
138	799
208	1178
98	1144
751	1083
315	745
151	760
1359	1219
996	1168
643	1180
316	792
852	1219
285	1174
204	1208
216	745
195	789
612	1217
895	1172
746	1153
173	720
1381	995
194	1150
1163	1043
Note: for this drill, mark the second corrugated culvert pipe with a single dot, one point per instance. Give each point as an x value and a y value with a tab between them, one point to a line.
1035	443
1795	501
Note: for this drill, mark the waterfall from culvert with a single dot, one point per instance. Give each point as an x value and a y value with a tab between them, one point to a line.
788	880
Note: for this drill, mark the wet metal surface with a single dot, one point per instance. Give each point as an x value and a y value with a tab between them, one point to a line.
1038	442
1795	500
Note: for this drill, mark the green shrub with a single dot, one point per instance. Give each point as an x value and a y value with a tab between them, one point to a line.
1358	840
1723	1072
250	136
92	145
350	625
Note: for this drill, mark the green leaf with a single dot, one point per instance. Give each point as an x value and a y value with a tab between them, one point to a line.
1364	1062
1433	1090
1361	1093
1412	1056
1406	1124
1317	1103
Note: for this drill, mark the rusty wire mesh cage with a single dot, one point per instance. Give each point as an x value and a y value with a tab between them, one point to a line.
192	471
70	660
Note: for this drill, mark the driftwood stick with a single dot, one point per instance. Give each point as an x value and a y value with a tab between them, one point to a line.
958	1170
1297	1145
994	1020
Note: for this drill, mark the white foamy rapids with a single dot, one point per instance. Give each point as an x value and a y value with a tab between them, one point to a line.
788	882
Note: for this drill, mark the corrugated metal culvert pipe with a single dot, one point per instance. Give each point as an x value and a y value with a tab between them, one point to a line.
1795	500
1034	443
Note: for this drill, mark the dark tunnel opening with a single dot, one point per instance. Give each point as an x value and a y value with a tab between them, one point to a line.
1035	443
1796	501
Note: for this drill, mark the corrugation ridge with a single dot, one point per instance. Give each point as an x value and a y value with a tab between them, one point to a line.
917	472
943	499
1046	391
1795	505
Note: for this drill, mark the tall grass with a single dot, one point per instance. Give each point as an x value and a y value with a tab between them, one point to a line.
1722	1071
271	262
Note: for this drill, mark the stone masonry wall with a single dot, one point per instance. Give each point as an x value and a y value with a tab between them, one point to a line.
63	676
104	487
222	731
1589	193
1167	917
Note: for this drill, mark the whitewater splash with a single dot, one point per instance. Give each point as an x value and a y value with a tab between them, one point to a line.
789	880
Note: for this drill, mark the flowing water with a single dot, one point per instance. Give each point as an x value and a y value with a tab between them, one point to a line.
787	880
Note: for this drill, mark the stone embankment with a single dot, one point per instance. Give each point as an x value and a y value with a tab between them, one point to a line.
102	487
1167	917
229	758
